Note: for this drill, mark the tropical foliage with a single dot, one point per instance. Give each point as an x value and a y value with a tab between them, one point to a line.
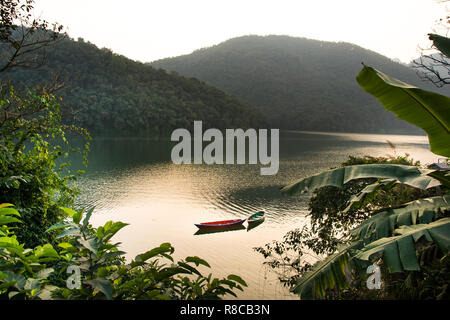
425	109
34	172
407	175
44	272
47	250
397	236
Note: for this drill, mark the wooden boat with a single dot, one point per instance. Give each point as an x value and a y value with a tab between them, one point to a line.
220	224
256	217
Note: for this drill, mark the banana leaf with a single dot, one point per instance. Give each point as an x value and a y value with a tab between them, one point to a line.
326	274
399	252
409	175
440	42
427	110
384	223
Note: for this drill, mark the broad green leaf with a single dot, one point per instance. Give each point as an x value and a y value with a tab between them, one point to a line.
77	216
102	285
399	252
170	272
409	175
111	228
68	256
91	244
9	212
4	205
198	261
100	232
442	176
61	225
69	232
427	110
110	255
65	245
69	211
384	223
440	42
44	273
46	292
162	249
8	219
87	217
10	242
326	274
18	279
46	251
188	267
32	284
237	279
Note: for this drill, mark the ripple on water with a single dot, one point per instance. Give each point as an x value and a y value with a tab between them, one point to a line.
162	201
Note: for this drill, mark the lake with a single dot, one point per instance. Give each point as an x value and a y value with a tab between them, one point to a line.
134	181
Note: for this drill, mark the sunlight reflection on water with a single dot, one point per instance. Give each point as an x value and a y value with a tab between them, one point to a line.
135	182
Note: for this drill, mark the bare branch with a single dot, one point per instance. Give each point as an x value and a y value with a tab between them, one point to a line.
23	39
432	66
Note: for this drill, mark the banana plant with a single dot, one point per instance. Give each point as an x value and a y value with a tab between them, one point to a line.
408	175
398	253
425	109
385	222
391	233
330	273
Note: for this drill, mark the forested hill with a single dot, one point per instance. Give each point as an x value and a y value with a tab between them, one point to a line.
298	83
108	93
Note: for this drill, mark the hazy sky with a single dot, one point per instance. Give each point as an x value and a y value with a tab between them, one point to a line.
151	30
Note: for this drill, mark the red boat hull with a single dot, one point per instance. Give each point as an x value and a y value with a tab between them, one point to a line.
219	224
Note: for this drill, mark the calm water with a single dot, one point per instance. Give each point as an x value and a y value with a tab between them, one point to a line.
134	181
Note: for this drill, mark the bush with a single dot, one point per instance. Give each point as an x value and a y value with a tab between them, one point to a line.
97	267
331	221
34	151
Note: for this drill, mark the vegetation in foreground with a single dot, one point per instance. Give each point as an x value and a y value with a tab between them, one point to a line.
47	250
83	263
364	208
376	213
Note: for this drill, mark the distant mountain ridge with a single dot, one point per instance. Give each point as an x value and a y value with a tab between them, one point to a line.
299	83
110	94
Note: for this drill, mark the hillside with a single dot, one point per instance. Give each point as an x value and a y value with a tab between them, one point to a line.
298	83
111	94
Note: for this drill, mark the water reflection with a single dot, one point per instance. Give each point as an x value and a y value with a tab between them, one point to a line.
134	181
253	225
227	229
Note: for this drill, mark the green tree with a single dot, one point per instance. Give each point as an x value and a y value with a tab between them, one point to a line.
33	140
